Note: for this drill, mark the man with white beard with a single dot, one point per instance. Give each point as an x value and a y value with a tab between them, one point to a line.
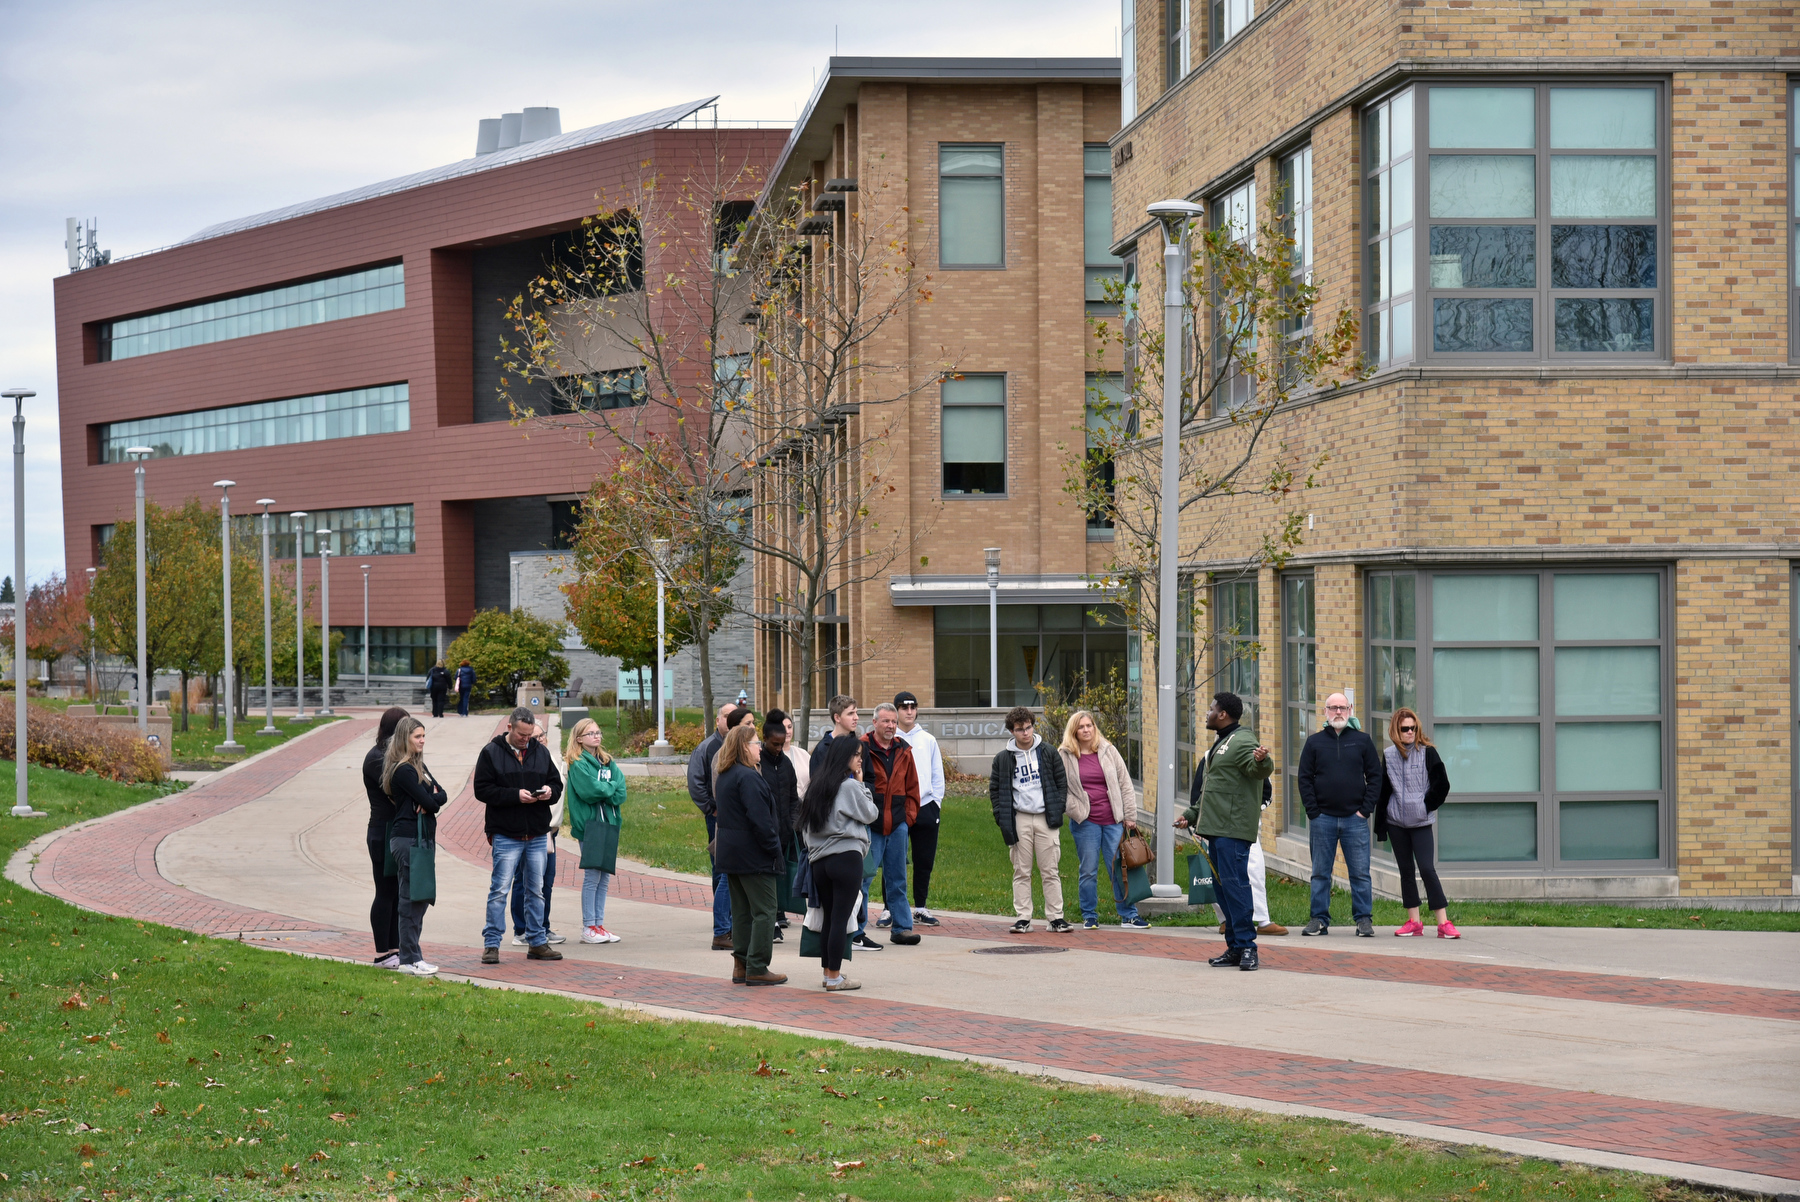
1340	785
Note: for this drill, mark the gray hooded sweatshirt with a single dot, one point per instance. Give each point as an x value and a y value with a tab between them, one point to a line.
847	826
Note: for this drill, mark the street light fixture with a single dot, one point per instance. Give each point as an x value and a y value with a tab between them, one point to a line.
660	556
1175	217
230	746
365	572
298	522
268	630
138	455
93	673
325	710
993	582
21	801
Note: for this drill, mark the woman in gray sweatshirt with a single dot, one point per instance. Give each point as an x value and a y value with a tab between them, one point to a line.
834	824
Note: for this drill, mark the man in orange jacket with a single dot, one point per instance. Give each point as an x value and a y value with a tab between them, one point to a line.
894	780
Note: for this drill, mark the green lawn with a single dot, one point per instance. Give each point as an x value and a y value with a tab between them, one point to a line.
973	873
194	746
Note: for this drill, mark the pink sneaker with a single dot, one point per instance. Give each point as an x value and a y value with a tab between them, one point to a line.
1410	929
1447	930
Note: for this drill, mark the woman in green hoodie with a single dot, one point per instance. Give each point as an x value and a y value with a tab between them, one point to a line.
596	790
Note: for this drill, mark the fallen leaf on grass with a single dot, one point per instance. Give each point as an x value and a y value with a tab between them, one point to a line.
836	1093
159	1109
162	1037
643	1162
338	1116
211	1084
321	1154
1096	1139
88	1151
841	1167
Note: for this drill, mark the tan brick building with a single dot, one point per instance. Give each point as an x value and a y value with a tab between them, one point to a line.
1003	170
1557	517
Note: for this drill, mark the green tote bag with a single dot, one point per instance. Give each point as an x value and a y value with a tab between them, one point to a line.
600	841
1202	891
421	868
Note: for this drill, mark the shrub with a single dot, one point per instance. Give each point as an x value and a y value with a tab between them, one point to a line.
1106	699
683	736
507	649
55	740
604	700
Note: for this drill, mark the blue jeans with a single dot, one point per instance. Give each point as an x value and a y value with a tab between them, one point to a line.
462	702
1231	877
1095	843
517	857
721	888
518	892
594	885
889	855
1327	831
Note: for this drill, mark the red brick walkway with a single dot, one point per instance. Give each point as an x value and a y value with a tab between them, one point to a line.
111	867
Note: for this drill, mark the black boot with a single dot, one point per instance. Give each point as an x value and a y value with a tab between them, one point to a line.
1231	959
1248	963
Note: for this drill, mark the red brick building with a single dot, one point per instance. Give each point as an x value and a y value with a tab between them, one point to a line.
340	356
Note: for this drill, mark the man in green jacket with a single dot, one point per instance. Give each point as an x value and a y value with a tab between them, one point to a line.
1229	815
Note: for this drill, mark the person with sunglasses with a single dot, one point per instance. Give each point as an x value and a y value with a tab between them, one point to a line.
1413	785
922	835
1340	785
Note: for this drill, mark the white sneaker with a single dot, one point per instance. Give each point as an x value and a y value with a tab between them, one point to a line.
389	961
553	937
607	936
518	941
592	935
420	969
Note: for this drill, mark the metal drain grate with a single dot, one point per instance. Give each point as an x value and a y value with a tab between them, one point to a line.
1023	949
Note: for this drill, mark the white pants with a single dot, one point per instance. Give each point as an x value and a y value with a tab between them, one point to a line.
1259	888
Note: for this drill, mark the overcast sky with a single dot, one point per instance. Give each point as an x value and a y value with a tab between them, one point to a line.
161	118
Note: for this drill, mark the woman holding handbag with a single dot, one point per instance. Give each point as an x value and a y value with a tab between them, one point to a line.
1102	807
417	799
835	814
1413	785
595	793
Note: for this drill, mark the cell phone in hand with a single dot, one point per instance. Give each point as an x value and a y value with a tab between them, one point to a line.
543	791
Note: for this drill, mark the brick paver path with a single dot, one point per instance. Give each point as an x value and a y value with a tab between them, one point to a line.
111	867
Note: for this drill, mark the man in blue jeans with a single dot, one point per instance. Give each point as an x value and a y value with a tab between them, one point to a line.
893	778
1340	785
1228	813
516	779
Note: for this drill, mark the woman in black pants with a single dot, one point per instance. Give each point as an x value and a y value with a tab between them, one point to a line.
384	911
1413	786
834	823
417	799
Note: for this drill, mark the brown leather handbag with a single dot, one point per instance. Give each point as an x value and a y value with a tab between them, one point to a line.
1133	850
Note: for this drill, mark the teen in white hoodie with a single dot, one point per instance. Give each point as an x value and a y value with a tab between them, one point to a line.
1028	789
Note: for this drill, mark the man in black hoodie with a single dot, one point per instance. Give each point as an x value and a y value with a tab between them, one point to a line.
516	779
1340	784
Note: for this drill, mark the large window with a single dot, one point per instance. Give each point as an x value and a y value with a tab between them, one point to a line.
1546	223
1228	20
1299	682
1056	645
1107	415
393	651
974	436
1297	224
1235	646
1232	333
1546	694
602	390
1393	625
373	530
383	410
1127	61
353	295
1103	267
971	206
1176	21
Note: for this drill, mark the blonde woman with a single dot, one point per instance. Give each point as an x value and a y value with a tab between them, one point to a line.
1102	806
595	793
1413	785
417	799
748	851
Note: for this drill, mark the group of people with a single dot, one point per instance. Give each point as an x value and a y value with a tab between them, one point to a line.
440	682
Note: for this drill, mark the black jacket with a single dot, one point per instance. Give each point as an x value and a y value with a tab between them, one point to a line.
747	838
1437	789
1340	773
413	797
778	773
499	775
438	679
700	773
381	806
1056	789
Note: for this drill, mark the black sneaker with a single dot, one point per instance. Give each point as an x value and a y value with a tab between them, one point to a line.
925	918
1248	963
1231	958
490	955
1366	928
1020	927
863	943
1317	926
903	938
778	938
1060	927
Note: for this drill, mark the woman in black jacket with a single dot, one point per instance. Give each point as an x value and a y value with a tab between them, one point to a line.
384	911
747	849
417	799
777	770
1413	786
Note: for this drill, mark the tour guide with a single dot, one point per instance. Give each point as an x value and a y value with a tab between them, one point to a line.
1229	814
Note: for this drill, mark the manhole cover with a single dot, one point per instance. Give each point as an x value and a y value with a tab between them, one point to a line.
1023	949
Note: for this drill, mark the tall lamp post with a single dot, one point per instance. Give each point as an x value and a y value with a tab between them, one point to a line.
93	681
1175	216
660	554
993	581
365	572
297	520
138	455
325	710
268	630
230	745
21	802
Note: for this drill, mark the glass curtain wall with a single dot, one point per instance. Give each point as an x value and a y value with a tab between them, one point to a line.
381	410
1057	645
373	530
393	651
351	295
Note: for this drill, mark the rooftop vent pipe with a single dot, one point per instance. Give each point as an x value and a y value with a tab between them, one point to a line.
509	129
540	123
487	136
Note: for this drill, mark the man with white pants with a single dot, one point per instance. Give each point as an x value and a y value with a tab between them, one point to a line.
1259	887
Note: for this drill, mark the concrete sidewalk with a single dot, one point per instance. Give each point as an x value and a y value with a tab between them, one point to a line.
1120	1003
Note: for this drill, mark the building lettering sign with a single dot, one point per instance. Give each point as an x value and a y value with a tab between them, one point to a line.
970	730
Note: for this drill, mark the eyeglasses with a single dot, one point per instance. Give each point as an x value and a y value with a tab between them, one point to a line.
1337	709
1406	730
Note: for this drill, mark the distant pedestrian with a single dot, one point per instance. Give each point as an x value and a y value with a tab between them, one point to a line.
922	834
796	754
417	799
1102	807
465	687
1229	815
1029	792
1258	868
749	853
835	815
784	791
437	683
700	776
894	780
516	779
596	793
1414	784
384	911
1340	786
843	723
